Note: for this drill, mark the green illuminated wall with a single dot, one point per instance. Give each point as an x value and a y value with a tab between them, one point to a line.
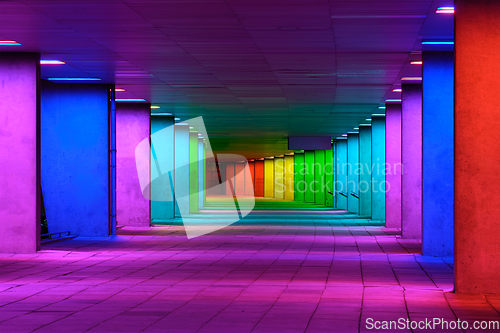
319	177
309	175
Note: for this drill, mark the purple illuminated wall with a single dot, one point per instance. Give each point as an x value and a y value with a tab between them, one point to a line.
412	161
19	153
132	126
393	159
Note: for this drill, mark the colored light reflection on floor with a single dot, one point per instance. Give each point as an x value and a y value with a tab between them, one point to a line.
312	273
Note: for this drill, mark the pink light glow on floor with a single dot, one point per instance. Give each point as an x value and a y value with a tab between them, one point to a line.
312	273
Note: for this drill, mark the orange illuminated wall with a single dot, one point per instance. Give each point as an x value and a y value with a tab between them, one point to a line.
259	178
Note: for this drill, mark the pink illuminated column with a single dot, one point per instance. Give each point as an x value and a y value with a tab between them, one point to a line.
132	126
477	147
393	160
411	189
19	153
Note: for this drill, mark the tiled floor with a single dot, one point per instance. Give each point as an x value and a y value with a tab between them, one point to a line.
304	273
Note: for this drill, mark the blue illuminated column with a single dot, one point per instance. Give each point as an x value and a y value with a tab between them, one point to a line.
75	157
181	172
365	161
437	173
162	157
19	152
353	173
411	189
378	168
201	173
341	169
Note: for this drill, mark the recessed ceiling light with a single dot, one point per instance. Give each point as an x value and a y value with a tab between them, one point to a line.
368	119
438	42
416	62
352	133
393	100
52	62
356	128
381	107
74	79
344	134
9	42
177	119
365	124
130	100
119	89
161	114
411	78
445	10
397	90
378	114
155	107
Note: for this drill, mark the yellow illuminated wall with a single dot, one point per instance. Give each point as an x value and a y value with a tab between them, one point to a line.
289	178
268	178
279	179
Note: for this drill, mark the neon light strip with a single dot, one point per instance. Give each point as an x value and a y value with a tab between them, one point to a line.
74	79
445	10
9	42
52	62
130	100
416	62
438	42
397	90
411	78
392	100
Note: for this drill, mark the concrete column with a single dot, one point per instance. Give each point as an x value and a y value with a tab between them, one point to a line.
193	172
250	182
299	182
329	178
319	177
201	174
181	172
289	177
239	179
476	150
393	159
378	166
279	177
132	126
229	167
20	195
365	177
259	178
341	174
309	176
162	161
75	152
437	154
353	173
411	189
268	178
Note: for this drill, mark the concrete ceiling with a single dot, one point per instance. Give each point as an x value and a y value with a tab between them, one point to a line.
256	70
